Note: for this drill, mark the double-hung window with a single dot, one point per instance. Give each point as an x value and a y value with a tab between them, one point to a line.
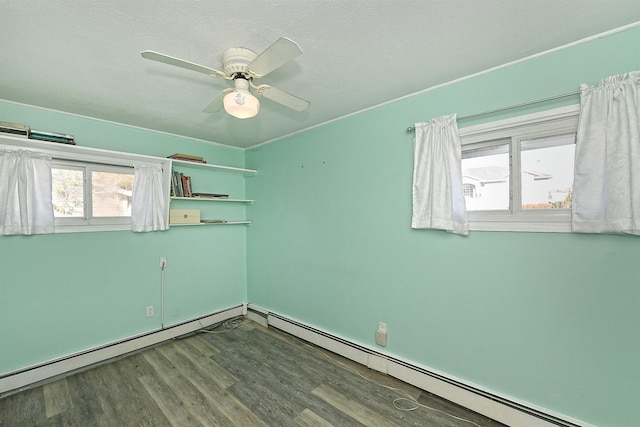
91	196
518	174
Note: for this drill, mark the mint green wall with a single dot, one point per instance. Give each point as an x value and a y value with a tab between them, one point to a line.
548	319
64	293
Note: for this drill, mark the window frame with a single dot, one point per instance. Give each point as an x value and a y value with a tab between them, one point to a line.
546	123
88	222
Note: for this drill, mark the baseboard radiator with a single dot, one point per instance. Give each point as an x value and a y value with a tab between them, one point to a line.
488	404
28	377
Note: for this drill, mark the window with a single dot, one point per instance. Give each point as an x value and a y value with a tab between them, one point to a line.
469	191
91	196
518	174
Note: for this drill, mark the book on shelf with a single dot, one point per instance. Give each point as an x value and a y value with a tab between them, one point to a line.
186	185
187	158
51	136
14	128
175	179
190	160
209	195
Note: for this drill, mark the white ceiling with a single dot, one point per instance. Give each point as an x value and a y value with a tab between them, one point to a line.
83	56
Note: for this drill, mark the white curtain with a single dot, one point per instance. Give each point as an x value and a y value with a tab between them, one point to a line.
149	202
438	199
25	192
606	189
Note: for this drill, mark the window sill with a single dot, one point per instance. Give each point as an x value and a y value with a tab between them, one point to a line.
521	226
525	222
90	228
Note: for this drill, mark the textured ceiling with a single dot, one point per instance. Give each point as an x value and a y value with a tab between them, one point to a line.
83	57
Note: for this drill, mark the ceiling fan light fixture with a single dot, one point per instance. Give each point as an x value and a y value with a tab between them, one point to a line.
240	103
244	66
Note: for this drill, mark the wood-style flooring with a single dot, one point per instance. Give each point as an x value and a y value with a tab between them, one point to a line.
245	376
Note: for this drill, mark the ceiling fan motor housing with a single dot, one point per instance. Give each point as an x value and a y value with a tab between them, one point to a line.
236	59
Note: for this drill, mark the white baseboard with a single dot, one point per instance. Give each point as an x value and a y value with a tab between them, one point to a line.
500	408
261	320
28	376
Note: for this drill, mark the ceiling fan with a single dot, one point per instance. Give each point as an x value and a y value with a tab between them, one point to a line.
244	66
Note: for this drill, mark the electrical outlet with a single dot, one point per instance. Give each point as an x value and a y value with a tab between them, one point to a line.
381	334
150	311
163	262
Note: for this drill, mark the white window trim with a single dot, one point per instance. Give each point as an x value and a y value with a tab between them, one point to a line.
550	121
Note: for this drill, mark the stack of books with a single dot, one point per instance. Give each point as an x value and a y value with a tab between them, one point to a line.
187	158
25	130
180	185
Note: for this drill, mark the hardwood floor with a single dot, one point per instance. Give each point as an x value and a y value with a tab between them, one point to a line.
247	376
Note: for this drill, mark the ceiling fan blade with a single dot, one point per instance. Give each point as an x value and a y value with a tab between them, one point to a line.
161	57
283	98
215	105
279	53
